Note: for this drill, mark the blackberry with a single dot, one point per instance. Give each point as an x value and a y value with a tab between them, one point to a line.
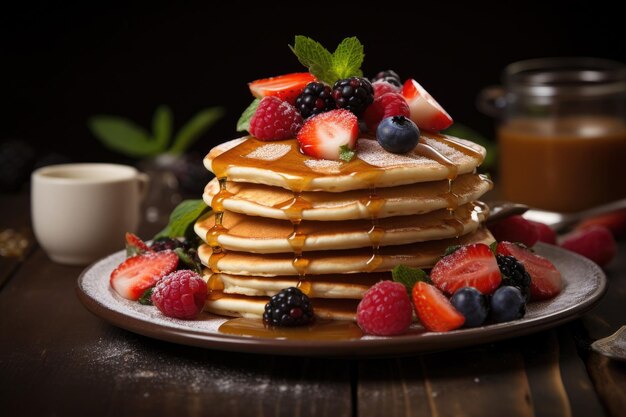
354	94
514	274
164	243
389	76
315	99
289	308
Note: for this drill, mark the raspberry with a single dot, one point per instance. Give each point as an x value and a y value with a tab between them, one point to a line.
275	119
385	310
315	99
383	87
594	242
289	308
180	294
386	105
354	94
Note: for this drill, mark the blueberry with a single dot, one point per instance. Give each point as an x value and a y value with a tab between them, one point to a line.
507	304
472	304
397	134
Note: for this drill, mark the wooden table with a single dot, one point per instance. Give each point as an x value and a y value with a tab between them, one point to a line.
57	359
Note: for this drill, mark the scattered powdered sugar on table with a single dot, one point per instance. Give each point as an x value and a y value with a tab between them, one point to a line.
270	152
324	166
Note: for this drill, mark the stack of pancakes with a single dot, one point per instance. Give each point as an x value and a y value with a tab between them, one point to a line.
281	218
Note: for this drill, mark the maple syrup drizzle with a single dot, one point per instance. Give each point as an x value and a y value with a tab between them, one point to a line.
464	149
320	330
214	286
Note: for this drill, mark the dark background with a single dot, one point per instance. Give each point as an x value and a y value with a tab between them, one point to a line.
64	62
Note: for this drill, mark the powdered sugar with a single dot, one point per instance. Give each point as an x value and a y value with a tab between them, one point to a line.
323	166
270	152
371	152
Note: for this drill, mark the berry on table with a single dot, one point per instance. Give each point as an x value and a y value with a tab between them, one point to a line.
285	87
514	274
316	98
324	135
614	221
593	242
472	304
353	94
275	119
425	111
507	304
289	308
397	134
434	310
138	273
386	105
515	229
385	310
180	295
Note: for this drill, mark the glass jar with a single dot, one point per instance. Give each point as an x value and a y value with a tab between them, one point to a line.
561	132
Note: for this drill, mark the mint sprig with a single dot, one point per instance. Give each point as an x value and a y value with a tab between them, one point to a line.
408	276
182	219
329	67
243	124
346	154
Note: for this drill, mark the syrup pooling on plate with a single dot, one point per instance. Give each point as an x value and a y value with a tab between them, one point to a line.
320	330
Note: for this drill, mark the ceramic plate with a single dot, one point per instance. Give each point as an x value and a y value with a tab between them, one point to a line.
585	284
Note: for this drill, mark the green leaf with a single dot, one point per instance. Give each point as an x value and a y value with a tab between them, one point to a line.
408	276
194	128
315	57
187	260
451	249
182	218
494	247
146	297
347	58
243	124
162	127
122	135
461	131
345	153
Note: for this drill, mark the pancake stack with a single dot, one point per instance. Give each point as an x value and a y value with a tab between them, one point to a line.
281	218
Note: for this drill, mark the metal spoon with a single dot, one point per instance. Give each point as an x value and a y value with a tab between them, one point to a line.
613	346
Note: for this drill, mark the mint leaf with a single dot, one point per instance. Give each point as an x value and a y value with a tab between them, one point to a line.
345	153
124	136
162	127
194	128
408	276
451	249
347	59
182	219
494	247
146	297
243	124
315	57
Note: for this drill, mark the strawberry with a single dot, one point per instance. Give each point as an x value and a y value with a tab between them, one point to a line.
135	246
592	242
286	87
138	273
275	119
386	105
425	111
515	229
434	310
545	233
324	135
614	221
545	280
383	87
469	266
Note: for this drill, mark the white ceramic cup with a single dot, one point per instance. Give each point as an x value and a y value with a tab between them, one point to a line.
81	212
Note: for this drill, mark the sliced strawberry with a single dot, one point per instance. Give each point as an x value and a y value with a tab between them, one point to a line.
286	87
593	242
545	233
138	273
545	280
614	221
324	135
135	246
425	111
386	105
383	87
515	229
469	266
434	310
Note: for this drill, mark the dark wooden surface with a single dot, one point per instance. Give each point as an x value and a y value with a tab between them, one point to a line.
57	359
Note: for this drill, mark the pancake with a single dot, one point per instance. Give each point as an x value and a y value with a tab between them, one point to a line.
261	235
270	202
253	307
437	157
322	286
420	255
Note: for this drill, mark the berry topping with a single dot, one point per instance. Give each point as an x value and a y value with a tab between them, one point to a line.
434	310
324	135
515	229
285	87
135	246
397	134
383	87
165	243
275	120
315	99
545	279
514	274
385	310
389	76
614	221
472	304
425	111
469	266
390	104
289	308
507	304
180	295
593	242
545	233
138	273
354	94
